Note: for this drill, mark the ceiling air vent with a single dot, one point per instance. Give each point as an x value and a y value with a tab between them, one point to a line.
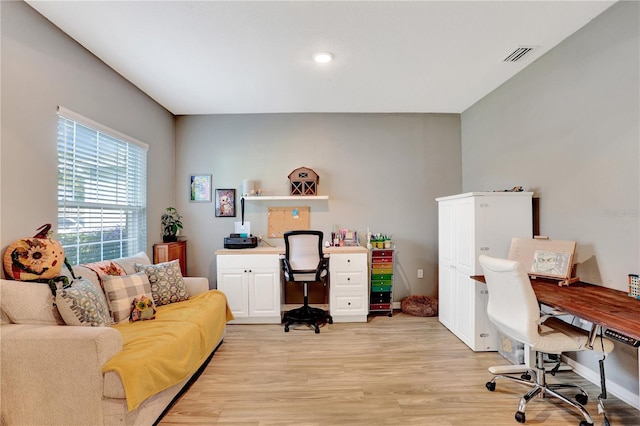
519	53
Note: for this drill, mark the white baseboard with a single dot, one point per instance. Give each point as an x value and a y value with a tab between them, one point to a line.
612	388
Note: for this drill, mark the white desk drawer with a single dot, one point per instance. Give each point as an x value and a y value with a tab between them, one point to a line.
348	304
348	262
353	279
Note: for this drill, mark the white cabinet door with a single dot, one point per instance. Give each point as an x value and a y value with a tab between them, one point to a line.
447	267
446	293
233	283
264	292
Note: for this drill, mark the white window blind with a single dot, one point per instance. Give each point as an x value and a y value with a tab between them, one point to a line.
101	191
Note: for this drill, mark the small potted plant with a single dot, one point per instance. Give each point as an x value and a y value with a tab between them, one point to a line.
171	225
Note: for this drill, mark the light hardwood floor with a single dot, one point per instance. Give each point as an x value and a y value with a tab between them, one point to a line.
403	370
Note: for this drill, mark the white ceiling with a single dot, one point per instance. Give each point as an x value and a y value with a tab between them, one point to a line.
212	57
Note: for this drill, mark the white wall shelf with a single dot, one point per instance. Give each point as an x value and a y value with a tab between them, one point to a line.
286	197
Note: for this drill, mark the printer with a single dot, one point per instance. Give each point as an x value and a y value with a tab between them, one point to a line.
240	241
241	238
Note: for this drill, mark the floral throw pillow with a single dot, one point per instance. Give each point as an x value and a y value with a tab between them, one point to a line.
167	284
83	304
142	309
106	267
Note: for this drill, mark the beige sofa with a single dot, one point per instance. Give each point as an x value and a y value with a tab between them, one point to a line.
52	373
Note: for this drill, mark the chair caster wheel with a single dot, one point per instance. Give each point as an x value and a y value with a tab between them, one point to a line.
582	399
586	423
286	328
330	320
526	376
491	386
520	417
317	330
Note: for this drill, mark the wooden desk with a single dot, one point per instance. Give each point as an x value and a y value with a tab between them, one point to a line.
251	279
606	307
602	306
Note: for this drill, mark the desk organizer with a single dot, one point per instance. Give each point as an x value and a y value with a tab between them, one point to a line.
634	286
381	299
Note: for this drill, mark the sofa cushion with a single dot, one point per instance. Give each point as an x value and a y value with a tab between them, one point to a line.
83	304
122	290
128	263
28	303
167	284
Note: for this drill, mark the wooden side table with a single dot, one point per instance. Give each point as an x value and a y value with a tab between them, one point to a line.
166	252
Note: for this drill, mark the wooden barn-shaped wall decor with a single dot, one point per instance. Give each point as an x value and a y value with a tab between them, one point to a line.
303	181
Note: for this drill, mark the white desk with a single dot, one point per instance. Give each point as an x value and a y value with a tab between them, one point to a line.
251	279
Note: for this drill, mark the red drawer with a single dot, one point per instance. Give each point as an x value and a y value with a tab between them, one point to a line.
382	253
380	306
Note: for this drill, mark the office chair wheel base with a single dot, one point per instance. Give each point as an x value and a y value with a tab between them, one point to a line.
491	386
526	376
582	399
520	417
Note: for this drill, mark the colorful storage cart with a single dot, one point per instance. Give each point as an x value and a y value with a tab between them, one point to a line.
381	298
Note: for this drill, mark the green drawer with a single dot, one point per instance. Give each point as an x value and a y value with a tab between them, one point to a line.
380	288
379	277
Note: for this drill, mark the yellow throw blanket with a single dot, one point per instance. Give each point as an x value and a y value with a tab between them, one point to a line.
159	353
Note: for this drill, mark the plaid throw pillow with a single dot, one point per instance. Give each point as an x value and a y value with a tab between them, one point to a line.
122	290
167	284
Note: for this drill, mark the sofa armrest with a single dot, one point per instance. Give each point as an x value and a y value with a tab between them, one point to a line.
196	285
61	365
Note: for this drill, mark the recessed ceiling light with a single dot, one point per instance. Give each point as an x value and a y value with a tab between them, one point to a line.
323	57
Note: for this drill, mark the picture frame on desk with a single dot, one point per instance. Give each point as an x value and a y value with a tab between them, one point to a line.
225	202
200	188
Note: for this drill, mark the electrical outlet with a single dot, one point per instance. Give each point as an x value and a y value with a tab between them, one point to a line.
420	273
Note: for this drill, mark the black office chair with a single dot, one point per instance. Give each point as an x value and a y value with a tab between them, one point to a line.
305	263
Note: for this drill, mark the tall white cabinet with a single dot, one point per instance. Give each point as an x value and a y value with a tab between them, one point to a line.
469	225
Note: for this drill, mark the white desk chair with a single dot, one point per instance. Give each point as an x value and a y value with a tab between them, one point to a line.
514	310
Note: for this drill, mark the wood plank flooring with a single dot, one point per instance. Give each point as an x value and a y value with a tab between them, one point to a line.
402	370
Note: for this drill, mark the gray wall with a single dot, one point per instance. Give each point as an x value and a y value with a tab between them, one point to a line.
381	171
567	128
41	69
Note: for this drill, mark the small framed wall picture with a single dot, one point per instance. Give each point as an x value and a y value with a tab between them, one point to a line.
200	189
225	202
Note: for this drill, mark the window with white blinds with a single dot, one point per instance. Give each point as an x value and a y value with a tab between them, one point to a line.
101	191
